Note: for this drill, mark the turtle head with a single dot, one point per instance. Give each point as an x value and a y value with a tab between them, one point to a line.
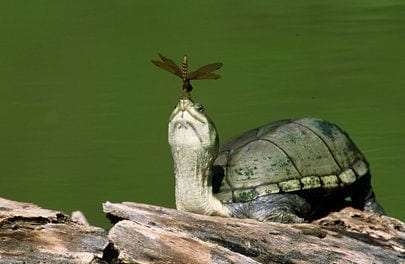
189	125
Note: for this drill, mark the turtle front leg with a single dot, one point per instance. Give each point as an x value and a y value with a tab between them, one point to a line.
282	208
363	196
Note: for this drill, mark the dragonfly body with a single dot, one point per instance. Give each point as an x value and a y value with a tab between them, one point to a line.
204	72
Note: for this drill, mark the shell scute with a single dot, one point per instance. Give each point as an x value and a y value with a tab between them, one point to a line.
290	186
329	181
267	189
245	195
360	167
305	149
258	163
347	177
341	146
286	156
310	182
238	142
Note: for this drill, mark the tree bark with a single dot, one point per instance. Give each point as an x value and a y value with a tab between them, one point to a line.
151	234
30	234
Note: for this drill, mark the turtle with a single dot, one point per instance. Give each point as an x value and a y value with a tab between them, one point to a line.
288	171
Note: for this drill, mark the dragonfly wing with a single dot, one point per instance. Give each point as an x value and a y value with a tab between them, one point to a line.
205	71
209	75
168	65
172	64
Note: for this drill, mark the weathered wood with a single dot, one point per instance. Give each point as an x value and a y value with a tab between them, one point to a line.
151	234
79	217
30	234
139	244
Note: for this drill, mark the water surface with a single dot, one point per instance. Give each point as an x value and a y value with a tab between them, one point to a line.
84	114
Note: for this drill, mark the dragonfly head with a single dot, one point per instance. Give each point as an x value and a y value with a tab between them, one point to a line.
187	88
182	71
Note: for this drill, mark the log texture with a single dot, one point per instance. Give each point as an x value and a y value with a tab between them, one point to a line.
30	234
151	234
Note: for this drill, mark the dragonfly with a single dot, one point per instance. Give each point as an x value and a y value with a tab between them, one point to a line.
204	72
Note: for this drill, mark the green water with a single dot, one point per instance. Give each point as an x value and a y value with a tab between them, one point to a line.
83	113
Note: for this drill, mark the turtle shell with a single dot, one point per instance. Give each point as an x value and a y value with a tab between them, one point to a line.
286	156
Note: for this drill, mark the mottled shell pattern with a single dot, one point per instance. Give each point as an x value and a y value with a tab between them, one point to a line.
287	156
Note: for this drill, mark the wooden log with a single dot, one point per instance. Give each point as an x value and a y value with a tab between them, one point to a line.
30	234
151	234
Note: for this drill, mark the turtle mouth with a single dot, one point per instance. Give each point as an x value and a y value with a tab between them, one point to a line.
179	113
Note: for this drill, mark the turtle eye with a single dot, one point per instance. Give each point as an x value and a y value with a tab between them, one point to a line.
199	107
